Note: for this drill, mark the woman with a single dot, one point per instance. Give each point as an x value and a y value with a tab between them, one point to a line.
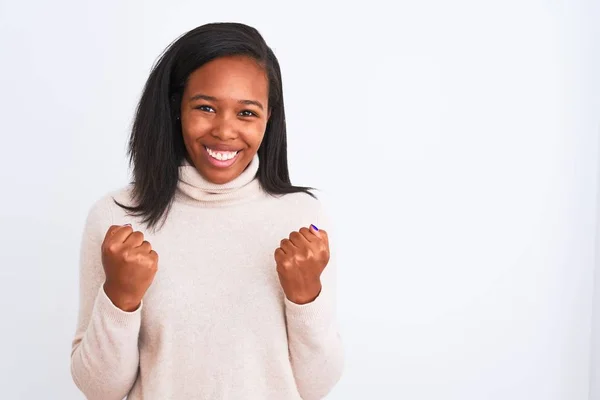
209	276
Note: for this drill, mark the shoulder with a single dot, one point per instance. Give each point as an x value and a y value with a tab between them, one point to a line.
308	208
104	210
300	202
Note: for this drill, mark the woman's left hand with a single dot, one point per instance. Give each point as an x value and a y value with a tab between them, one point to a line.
300	261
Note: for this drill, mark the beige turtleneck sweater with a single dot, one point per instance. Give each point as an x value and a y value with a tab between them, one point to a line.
215	323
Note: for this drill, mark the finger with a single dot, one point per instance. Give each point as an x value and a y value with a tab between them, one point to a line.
307	234
121	233
135	239
287	246
111	230
320	233
298	239
315	231
279	256
286	243
145	247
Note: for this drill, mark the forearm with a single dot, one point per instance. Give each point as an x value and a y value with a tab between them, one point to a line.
316	349
105	356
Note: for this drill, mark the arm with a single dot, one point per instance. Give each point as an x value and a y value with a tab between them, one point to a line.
315	345
104	356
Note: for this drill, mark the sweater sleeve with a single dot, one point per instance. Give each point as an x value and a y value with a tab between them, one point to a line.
104	356
315	345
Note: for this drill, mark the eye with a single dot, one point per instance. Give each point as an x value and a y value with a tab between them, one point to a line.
205	108
248	113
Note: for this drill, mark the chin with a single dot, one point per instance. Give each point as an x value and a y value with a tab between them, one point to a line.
219	177
219	172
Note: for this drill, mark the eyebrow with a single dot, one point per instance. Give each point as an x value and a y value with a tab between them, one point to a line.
211	98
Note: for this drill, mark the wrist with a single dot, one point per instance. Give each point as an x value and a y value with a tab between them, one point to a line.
306	296
123	302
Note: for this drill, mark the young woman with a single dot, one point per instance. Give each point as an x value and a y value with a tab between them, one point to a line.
210	276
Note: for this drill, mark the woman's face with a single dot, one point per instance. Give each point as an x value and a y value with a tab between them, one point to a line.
224	114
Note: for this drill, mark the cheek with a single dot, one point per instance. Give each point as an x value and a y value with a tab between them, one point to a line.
194	127
191	131
254	136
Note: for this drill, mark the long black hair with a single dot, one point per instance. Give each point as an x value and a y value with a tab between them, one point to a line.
156	147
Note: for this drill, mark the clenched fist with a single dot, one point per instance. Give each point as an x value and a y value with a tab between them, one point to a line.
129	265
300	261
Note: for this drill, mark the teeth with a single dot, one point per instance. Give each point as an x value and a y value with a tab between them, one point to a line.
222	155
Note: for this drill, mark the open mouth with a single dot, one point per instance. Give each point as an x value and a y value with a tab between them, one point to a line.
221	155
221	158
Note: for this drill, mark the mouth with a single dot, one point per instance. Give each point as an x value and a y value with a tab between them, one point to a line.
221	158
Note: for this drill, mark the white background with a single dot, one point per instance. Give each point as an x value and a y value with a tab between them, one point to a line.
457	142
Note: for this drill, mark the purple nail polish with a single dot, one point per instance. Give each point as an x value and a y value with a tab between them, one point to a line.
315	228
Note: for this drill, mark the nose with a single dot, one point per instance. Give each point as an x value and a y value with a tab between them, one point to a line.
224	128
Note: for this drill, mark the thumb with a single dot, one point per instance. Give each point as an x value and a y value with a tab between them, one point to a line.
320	233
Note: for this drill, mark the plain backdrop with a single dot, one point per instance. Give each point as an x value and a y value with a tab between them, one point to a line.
456	142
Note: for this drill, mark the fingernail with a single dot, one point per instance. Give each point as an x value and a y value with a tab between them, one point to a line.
127	225
314	227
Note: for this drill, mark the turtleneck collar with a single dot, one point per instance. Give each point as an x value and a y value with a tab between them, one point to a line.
195	188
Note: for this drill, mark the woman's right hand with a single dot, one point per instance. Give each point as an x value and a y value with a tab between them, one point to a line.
129	265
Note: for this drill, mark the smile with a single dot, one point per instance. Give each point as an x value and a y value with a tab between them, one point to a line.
221	158
221	155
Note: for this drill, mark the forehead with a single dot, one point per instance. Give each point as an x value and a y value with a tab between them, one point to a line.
237	77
